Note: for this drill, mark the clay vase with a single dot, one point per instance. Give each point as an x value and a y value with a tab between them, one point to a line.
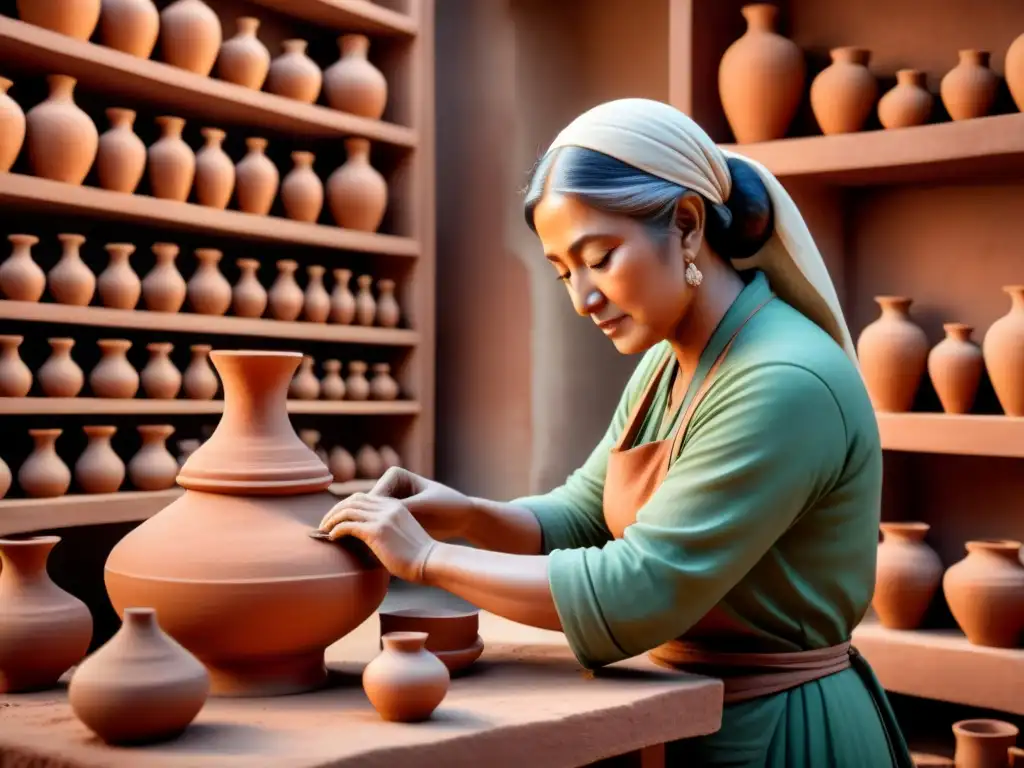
215	173
332	386
256	179
209	292
356	192
983	743
389	457
388	314
955	366
190	36
70	281
230	566
343	303
153	468
352	84
316	305
43	629
15	376
21	279
305	385
969	89
74	18
406	682
131	26
1003	349
6	479
60	375
294	75
356	385
843	95
985	592
366	307
893	354
163	287
172	164
908	103
302	192
908	574
761	78
113	375
119	287
99	469
141	686
341	464
368	463
44	475
12	127
121	157
286	298
1013	71
243	59
62	140
248	297
160	379
200	382
383	386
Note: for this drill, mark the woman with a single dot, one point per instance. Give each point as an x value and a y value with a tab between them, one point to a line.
728	521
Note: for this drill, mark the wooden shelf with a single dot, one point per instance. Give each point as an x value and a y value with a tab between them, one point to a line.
946	433
87	406
347	15
97	67
29	192
987	147
27	515
352	486
941	664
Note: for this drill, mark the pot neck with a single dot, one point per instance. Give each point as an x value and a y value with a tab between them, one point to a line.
761	17
905	532
404	642
24	561
894	306
1000	549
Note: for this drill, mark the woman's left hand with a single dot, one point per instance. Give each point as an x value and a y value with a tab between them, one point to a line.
386	527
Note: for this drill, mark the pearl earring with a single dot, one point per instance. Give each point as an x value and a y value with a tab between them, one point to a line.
694	276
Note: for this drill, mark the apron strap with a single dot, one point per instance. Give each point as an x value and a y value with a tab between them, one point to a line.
629	432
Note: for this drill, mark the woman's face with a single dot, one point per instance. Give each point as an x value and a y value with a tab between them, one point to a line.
628	280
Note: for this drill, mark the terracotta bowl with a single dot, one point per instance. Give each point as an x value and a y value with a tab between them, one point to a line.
452	635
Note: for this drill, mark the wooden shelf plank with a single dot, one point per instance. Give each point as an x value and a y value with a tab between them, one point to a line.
347	15
352	486
87	406
31	48
29	192
27	515
187	322
987	147
941	664
946	433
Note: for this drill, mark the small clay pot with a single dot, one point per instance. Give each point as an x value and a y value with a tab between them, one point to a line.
452	636
294	75
190	36
354	85
985	593
119	287
302	192
60	375
70	281
356	385
44	475
332	386
248	297
316	305
893	355
406	682
356	192
15	376
131	26
983	743
121	157
286	297
969	89
171	162
209	292
368	463
366	307
74	18
843	95
343	302
243	59
305	385
6	478
955	366
908	103
256	179
215	173
163	287
12	127
908	575
21	279
341	464
99	469
389	457
62	139
113	375
153	468
200	382
383	386
388	313
160	379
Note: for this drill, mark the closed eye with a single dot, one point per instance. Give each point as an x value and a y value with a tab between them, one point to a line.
604	260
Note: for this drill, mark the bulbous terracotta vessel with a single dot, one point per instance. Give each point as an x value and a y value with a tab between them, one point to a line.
121	158
761	78
209	292
230	566
908	575
955	366
342	465
985	592
153	468
1013	70
163	287
131	26
21	279
15	376
1003	348
44	474
843	95
43	629
243	59
343	302
6	478
366	306
302	192
356	385
60	375
190	35
294	75
406	682
908	103
62	139
119	287
969	89
172	164
893	354
248	297
352	84
316	305
113	375
160	379
256	179
305	385
70	281
215	173
983	743
389	457
99	469
200	381
368	463
286	298
356	192
141	686
12	127
332	386
388	314
383	386
74	18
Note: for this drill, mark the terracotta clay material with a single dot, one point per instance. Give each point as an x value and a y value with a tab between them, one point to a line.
357	387
163	287
389	457
243	59
60	375
343	302
388	313
311	437
368	463
70	281
160	379
955	366
153	468
893	354
171	162
969	89
1016	755
15	376
452	636
843	95
983	743
356	192
908	103
305	385
985	593
121	157
119	287
99	469
74	18
383	386
215	173
1003	348
62	139
1013	70
316	305
44	474
302	192
248	297
908	575
209	292
113	375
332	386
131	26
200	382
294	75
6	478
21	279
406	682
190	35
256	179
341	464
366	306
12	127
43	629
286	297
186	448
353	84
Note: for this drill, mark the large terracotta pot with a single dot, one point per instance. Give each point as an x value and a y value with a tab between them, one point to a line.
908	574
985	592
843	94
12	127
1003	348
230	566
62	139
74	18
893	355
955	366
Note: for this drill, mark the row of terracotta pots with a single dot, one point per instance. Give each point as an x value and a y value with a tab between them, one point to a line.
894	355
306	386
369	463
191	38
984	591
70	281
844	95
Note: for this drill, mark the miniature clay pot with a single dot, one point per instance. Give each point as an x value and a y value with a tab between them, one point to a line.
843	95
969	89
190	36
6	478
141	686
406	682
893	354
955	366
200	381
368	463
286	298
172	164
356	192
43	629
21	279
113	375
366	307
15	376
383	386
343	303
62	140
99	469
452	636
60	375
131	26
163	287
908	103
388	313
389	457
1013	70
908	575
341	464
118	285
44	475
294	75
121	157
230	566
256	179
243	59
985	592
302	192
209	292
215	173
70	281
332	386
160	379
983	743
316	305
357	387
153	468
352	84
74	18
305	385
1003	350
12	127
248	297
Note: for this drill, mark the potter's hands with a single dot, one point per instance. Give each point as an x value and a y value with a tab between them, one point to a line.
387	527
444	512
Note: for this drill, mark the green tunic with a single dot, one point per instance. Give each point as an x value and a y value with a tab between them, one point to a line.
770	511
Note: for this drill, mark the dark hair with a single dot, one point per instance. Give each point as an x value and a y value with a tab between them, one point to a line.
735	230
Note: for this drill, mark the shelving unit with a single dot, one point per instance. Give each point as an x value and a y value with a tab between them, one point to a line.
958	435
38	406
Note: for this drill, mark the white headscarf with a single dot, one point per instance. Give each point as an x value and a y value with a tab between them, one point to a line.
664	142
